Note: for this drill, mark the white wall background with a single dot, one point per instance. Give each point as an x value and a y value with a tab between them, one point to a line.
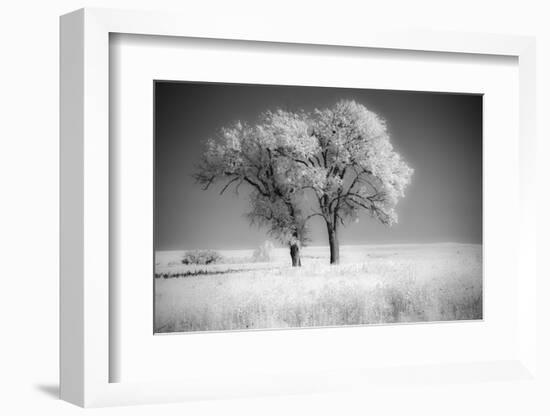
29	206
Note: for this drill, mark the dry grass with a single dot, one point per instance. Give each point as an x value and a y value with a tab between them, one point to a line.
373	285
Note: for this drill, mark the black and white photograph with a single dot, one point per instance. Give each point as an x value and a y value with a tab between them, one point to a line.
296	207
247	208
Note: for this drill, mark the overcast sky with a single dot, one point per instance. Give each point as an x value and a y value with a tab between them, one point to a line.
439	135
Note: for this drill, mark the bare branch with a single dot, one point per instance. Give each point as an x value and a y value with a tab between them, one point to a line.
228	184
314	215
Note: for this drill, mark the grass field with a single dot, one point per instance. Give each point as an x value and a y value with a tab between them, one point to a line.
372	285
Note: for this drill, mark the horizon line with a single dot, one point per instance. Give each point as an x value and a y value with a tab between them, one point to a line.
327	247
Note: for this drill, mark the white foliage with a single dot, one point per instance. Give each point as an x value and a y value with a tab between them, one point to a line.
343	154
359	169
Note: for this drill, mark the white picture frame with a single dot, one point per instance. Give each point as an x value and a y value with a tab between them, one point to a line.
85	222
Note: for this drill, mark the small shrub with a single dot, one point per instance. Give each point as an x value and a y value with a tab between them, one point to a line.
264	253
202	257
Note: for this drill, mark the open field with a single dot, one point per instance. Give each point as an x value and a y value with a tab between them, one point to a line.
372	285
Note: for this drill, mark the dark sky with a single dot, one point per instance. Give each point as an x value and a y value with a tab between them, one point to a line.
439	135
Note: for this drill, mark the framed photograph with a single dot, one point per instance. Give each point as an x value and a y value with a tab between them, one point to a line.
264	213
288	217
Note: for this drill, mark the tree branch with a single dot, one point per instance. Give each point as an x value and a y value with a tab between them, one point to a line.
257	186
228	183
313	215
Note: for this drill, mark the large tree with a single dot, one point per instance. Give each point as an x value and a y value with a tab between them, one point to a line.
253	156
342	154
352	167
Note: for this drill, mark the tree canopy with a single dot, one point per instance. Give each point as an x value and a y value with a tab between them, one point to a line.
342	155
252	155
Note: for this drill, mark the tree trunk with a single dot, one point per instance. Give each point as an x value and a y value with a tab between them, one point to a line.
333	243
295	255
